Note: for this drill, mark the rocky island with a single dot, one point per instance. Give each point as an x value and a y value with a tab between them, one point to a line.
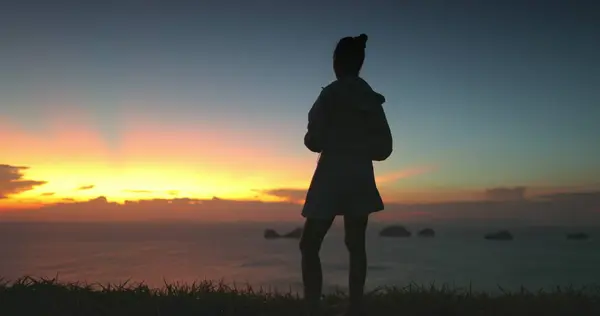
427	232
395	231
272	234
578	236
499	235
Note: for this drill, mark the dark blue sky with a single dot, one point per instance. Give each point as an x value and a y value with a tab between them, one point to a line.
491	93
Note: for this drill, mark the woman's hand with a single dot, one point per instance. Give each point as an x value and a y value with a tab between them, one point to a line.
311	143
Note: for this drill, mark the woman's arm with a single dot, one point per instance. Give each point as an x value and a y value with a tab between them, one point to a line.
314	137
382	144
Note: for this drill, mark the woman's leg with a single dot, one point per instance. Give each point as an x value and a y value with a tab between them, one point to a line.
310	244
355	228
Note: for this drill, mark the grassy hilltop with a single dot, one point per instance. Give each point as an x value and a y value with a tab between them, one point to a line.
29	296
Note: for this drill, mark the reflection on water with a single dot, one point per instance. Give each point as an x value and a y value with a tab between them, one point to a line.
156	253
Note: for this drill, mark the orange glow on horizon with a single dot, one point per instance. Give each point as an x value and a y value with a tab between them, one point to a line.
149	159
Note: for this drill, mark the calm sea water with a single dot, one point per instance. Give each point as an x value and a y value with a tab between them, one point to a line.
155	253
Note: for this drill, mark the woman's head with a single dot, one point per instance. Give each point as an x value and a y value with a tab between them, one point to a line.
349	55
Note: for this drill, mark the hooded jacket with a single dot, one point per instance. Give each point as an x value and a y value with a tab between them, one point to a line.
348	118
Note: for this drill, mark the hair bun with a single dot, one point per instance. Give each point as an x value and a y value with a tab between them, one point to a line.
362	39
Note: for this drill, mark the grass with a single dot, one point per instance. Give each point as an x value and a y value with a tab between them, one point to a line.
31	296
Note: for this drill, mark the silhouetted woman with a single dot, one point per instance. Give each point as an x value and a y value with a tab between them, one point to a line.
348	127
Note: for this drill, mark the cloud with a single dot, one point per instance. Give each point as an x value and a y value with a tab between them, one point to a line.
176	209
173	192
100	199
47	194
564	209
85	187
139	191
404	173
12	182
298	195
506	194
572	196
290	195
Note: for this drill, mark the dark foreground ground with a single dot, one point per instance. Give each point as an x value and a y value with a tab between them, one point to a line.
41	297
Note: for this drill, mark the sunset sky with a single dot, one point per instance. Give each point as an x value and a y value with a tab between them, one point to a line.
157	100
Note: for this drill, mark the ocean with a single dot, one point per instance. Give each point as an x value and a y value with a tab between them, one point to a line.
237	253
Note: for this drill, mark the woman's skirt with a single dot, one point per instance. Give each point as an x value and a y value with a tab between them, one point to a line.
342	185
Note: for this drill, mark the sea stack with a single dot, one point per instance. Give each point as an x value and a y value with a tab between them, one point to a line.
395	231
427	232
499	235
271	234
578	236
295	234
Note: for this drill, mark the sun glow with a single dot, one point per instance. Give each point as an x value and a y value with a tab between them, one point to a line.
151	160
